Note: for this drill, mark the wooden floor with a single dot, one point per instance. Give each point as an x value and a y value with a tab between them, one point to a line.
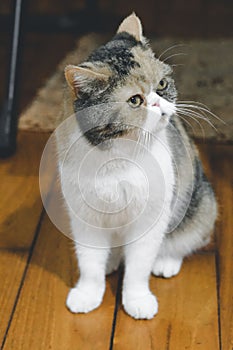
37	269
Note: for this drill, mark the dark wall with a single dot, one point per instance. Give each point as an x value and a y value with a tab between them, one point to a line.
183	18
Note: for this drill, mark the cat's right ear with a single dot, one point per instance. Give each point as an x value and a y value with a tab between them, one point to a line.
79	77
133	26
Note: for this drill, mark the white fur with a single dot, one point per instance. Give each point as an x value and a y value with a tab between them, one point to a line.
167	266
108	198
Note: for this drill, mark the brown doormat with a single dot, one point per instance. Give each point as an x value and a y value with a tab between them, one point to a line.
203	72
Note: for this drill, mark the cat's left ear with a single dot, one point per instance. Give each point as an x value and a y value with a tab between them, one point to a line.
133	26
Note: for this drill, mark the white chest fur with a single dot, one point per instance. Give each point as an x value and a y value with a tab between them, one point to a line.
122	189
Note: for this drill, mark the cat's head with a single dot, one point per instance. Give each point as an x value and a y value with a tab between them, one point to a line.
131	86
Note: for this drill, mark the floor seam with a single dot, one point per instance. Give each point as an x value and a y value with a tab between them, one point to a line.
30	253
217	261
117	302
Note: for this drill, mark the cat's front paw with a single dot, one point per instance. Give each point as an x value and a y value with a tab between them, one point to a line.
80	301
167	266
142	307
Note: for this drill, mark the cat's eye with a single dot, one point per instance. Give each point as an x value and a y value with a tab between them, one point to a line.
162	85
135	101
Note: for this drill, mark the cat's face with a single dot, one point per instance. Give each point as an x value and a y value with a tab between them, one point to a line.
130	88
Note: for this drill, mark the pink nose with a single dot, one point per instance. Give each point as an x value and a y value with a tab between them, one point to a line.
156	104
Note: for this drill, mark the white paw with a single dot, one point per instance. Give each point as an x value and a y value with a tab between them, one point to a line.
143	307
167	266
81	301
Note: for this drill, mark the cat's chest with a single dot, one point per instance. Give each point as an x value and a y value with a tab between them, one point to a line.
119	186
122	185
146	177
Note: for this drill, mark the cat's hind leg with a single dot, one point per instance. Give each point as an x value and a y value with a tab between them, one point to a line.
167	266
193	233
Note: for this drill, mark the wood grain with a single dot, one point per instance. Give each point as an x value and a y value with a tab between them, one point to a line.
12	265
222	167
20	204
20	208
189	304
41	320
187	318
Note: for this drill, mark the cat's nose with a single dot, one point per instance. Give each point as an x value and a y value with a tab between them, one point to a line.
156	104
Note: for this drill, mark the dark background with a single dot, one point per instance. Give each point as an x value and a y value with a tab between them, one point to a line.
51	28
185	18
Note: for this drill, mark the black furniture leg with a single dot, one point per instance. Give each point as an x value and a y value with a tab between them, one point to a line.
8	116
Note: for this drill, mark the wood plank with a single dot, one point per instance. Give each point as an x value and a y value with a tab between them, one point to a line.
12	265
222	166
20	208
20	204
41	320
187	318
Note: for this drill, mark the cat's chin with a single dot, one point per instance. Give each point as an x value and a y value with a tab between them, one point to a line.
163	123
154	127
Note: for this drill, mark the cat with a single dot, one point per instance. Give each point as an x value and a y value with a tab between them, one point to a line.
131	97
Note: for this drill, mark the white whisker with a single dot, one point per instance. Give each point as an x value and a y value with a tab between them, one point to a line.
175	54
189	124
197	115
197	121
175	65
204	109
136	150
195	102
170	48
200	116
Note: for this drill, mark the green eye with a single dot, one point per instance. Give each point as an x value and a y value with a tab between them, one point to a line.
135	101
162	85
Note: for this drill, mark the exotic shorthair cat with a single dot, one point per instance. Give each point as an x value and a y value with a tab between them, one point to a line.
136	99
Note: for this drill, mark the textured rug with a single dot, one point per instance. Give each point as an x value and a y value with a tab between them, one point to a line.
203	72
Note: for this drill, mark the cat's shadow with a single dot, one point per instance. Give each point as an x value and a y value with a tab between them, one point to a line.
44	250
